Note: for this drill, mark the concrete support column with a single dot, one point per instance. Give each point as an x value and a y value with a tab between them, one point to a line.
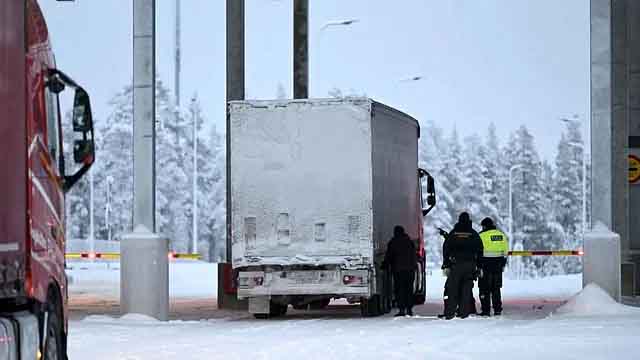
608	121
633	116
144	111
235	91
235	85
144	284
300	49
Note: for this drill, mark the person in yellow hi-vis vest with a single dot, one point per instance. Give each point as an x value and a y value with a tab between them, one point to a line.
494	259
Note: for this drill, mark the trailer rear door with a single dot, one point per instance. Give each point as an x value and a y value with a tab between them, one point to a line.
301	179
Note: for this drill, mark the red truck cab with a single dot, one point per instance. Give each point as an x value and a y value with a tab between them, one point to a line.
36	175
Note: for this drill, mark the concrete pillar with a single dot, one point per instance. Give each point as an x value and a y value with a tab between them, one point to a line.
300	49
144	273
602	260
144	110
235	85
144	284
633	106
235	91
615	118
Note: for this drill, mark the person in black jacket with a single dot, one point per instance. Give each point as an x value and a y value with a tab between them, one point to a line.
401	259
460	252
472	300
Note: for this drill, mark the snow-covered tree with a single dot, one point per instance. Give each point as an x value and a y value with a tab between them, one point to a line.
431	158
529	218
567	190
174	176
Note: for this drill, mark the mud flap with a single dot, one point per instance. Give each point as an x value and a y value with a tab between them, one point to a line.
259	305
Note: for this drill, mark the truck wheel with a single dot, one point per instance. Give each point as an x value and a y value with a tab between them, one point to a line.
386	305
319	304
419	285
282	309
53	342
370	307
299	306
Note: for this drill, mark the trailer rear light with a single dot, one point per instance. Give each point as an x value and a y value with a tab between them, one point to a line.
250	282
92	255
352	280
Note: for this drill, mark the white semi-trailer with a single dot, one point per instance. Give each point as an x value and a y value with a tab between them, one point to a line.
316	189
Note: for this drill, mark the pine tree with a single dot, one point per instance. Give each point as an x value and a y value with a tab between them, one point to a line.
495	179
529	219
452	174
568	190
431	155
174	175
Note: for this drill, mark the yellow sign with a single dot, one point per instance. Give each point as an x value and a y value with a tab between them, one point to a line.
634	169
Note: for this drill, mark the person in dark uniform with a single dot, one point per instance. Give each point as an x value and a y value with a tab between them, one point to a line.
460	252
401	259
491	264
472	300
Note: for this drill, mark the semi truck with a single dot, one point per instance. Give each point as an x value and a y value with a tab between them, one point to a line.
317	186
36	176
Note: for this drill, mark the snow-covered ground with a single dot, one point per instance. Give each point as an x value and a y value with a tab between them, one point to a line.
536	324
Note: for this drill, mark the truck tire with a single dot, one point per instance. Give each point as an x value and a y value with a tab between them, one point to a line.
319	304
370	307
420	285
53	348
386	304
300	306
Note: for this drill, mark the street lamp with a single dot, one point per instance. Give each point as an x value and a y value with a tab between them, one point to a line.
107	212
412	78
339	23
584	172
195	178
514	167
91	232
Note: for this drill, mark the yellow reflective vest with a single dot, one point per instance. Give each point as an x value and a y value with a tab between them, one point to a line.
495	243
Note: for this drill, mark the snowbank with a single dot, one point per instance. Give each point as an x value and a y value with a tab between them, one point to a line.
187	279
593	301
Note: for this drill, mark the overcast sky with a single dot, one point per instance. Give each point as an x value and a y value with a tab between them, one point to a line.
510	62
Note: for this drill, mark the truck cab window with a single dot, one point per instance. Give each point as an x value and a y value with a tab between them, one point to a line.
53	143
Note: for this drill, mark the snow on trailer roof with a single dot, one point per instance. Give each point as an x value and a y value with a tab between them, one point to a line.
358	101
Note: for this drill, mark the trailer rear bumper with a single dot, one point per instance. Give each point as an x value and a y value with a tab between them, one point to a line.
304	282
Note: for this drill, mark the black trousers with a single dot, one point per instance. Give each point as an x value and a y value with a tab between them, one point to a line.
403	287
490	284
472	301
458	289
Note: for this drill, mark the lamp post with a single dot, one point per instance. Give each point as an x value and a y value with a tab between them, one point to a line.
584	171
107	212
514	167
195	178
91	232
339	23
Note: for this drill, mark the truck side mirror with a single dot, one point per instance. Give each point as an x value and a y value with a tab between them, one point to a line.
431	186
431	191
55	85
82	120
83	151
